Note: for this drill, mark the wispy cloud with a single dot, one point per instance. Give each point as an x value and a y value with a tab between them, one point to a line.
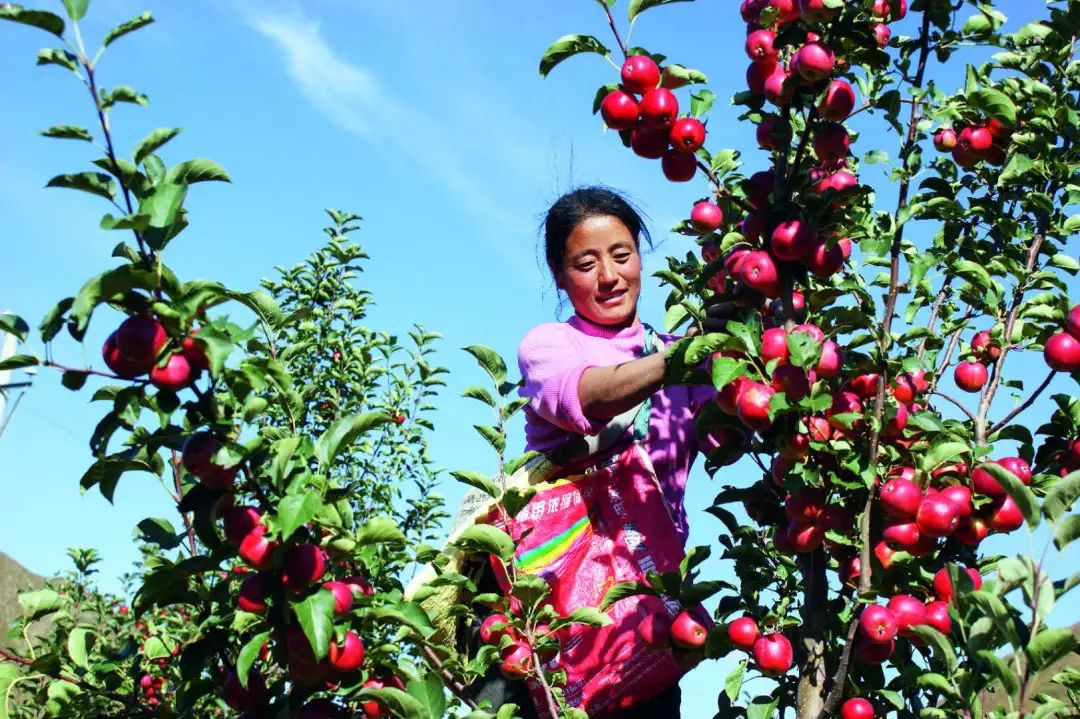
351	97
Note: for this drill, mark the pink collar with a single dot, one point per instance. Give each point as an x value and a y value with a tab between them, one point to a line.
594	330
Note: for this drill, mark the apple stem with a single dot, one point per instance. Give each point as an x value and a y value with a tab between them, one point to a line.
615	30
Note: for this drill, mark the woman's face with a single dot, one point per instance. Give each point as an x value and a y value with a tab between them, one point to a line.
601	271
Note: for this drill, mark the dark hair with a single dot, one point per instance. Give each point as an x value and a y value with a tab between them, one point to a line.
578	205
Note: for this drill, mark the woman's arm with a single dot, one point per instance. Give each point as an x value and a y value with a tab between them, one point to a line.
607	392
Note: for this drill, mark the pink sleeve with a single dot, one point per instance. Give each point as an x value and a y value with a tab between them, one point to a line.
551	364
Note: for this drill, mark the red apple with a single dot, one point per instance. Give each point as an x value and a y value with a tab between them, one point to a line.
805	505
844	403
758	270
493	628
984	347
901	533
655	631
874	652
753	405
1072	322
743	633
757	74
1062	352
687	135
237	522
1004	515
960	496
943	588
687	632
640	74
659	108
878	624
678	166
830	362
774	133
140	339
773	654
349	655
832	142
648	142
882	33
774	345
937	616
174	375
256	549
970	376
253	593
779	87
194	352
857	708
937	517
909	612
792	381
817	11
303	564
805	538
944	139
759	186
343	596
759	46
812	330
517	660
791	240
120	365
619	110
728	397
890	10
706	217
814	61
850	569
823	260
838	101
971	531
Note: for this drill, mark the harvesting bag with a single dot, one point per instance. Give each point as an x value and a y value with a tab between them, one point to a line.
583	534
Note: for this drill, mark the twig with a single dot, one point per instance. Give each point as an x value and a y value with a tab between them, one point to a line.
934	310
615	30
956	402
1025	404
14	657
452	682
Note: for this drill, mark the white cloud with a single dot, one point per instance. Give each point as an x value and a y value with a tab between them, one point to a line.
352	98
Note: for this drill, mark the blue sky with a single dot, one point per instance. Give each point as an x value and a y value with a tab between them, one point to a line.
429	119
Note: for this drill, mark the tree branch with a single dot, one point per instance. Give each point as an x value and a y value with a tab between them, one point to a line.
1024	405
956	402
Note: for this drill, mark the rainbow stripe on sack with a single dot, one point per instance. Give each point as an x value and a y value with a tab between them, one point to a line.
547	553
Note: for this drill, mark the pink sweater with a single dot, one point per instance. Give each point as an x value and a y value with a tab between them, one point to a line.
552	357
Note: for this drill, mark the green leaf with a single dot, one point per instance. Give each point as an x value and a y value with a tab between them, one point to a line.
19	361
35	605
933	680
409	614
53	56
248	654
943	453
494	437
342	433
76	9
480	394
568	46
397	702
1020	492
13	324
995	104
154	648
482	482
639	6
130	26
1001	670
701	102
1066	531
122	93
159	532
941	645
622	590
484	538
316	616
1048	646
429	691
727	369
197	170
36	18
96	183
296	510
104	286
78	646
1065	262
149	144
762	708
733	681
380	530
68	132
588	616
1062	495
490	360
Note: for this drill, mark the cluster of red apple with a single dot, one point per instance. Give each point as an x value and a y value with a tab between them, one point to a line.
986	140
518	652
302	569
771	651
656	130
684	635
137	346
151	687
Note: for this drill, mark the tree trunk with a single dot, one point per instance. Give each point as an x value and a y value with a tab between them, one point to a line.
811	697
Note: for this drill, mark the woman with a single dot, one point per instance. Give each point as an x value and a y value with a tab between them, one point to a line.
582	373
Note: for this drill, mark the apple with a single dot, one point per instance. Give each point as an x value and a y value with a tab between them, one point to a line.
237	522
343	596
782	542
944	139
640	74
832	142
805	538
792	381
856	708
814	61
759	46
659	109
347	656
976	139
494	628
194	352
984	483
303	564
1072	322
850	569
937	616
960	496
728	396
1005	515
818	11
743	633
791	240
751	10
836	518
937	517
805	505
971	531
812	330
963	156
878	624
759	187
678	166
687	135
1062	352
970	376
687	632
757	74
890	10
787	11
773	654
824	261
372	709
774	133
943	588
752	226
774	345
984	347
619	110
901	533
882	33
909	612
256	549
655	631
706	217
1020	468
517	660
140	339
844	403
120	365
753	405
837	102
758	270
648	142
174	375
197	457
874	652
778	88
831	360
253	593
237	697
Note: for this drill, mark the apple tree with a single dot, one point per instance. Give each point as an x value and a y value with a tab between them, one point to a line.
870	336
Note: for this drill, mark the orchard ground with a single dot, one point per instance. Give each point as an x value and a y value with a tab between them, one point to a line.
452	146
